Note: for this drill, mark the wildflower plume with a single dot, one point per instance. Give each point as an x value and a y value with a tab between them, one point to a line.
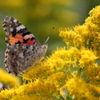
69	73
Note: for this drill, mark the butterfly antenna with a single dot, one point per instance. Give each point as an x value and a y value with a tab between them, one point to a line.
47	40
49	37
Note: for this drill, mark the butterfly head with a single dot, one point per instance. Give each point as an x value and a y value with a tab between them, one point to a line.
45	46
44	49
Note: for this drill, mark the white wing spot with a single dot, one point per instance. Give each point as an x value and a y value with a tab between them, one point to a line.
15	20
20	27
11	29
8	19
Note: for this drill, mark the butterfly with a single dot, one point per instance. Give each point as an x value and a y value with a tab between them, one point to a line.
23	49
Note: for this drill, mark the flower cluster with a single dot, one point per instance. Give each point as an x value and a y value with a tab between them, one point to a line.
86	35
69	73
37	90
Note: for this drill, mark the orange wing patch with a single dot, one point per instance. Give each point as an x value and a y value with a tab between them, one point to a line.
17	38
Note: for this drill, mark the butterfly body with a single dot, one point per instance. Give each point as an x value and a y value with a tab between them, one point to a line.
23	49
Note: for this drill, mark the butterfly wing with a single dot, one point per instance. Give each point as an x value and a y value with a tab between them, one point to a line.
23	49
17	33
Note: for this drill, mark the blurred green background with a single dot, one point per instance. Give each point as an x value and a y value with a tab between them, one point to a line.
39	16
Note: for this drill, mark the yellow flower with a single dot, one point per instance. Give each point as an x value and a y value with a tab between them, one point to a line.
36	90
81	90
87	57
59	78
86	35
8	79
30	97
70	37
69	72
93	74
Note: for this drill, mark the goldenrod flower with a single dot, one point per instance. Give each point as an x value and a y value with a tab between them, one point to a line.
71	72
8	79
36	90
86	35
87	57
70	37
93	74
81	90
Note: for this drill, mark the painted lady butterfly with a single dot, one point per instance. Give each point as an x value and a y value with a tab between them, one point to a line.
23	49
